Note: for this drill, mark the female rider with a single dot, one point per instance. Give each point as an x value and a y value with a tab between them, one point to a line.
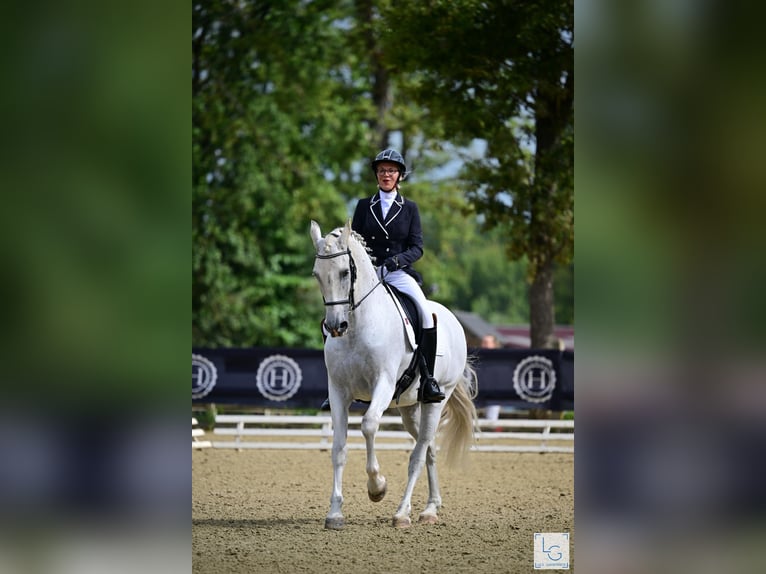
390	225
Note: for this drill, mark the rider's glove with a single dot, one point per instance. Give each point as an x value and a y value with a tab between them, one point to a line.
392	263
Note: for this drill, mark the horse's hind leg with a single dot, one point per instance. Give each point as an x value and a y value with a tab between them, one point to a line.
429	514
423	453
411	421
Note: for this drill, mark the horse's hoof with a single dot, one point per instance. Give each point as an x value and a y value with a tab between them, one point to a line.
402	522
334	523
378	496
428	519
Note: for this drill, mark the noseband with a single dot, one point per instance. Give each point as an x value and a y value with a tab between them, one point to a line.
352	266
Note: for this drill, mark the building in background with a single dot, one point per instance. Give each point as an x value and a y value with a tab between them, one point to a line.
508	336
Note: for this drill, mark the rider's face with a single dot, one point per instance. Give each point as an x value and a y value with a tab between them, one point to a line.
387	174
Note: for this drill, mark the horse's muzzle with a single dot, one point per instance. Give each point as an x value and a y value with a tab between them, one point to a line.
338	331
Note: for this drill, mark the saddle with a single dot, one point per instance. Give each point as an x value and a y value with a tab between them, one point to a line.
408	311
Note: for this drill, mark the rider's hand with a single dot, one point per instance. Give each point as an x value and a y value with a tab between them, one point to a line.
391	263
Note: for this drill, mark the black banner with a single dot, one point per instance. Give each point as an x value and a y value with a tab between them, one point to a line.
297	378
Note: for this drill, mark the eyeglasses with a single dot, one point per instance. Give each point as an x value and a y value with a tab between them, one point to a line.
387	171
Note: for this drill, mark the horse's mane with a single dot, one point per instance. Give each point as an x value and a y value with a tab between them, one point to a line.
337	233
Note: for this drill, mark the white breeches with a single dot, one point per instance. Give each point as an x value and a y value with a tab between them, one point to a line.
406	284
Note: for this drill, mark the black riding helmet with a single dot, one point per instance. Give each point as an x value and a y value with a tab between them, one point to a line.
393	156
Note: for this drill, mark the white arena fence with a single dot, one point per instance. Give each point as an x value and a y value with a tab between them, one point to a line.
197	435
315	432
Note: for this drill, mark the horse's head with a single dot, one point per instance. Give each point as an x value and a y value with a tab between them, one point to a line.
335	271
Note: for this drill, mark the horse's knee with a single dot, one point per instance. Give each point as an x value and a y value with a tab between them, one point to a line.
369	426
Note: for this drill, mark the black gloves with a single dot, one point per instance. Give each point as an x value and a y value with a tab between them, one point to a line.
392	263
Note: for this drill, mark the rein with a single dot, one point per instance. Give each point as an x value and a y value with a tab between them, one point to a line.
350	300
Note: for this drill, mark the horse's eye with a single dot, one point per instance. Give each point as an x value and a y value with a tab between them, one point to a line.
344	274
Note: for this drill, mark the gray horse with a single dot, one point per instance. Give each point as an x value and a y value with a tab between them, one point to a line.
365	356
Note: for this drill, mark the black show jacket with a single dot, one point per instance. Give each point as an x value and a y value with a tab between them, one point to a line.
399	234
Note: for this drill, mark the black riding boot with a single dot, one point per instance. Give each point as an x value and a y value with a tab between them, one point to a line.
429	388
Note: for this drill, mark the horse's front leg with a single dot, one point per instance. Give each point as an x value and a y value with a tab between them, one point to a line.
381	398
339	413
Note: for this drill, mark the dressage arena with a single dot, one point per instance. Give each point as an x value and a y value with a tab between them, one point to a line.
262	511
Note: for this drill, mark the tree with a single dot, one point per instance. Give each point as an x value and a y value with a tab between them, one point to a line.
290	101
277	121
502	71
462	267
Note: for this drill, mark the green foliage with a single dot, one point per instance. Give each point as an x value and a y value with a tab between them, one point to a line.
289	99
463	267
206	416
276	121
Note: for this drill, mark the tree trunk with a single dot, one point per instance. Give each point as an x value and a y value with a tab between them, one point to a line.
382	96
541	309
542	320
549	121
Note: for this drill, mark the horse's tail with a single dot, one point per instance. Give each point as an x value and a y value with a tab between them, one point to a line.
459	418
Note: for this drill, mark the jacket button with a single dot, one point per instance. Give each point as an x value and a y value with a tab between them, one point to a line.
387	249
373	237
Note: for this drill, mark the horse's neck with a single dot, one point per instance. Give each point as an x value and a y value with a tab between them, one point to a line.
373	310
371	325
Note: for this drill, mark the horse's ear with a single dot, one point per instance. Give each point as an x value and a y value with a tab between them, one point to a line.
346	233
316	233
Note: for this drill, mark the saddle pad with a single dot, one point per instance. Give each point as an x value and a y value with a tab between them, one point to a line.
409	314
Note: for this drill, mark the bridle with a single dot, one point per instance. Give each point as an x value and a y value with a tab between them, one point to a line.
352	266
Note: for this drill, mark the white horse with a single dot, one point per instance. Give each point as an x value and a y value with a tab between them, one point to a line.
365	356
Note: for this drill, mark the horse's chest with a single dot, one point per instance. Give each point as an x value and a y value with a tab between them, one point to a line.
347	369
355	369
